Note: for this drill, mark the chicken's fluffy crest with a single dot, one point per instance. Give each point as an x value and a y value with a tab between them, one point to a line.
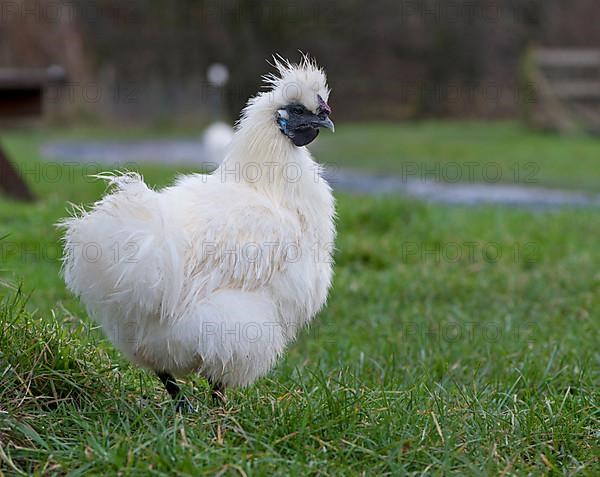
301	82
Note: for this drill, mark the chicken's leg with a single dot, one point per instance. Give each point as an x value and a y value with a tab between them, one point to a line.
218	392
182	403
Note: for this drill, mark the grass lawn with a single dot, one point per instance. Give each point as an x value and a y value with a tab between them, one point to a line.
481	152
496	152
456	340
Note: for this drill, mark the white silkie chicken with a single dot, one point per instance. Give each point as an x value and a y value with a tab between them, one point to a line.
217	273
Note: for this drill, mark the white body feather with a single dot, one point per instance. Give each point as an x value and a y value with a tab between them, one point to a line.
217	273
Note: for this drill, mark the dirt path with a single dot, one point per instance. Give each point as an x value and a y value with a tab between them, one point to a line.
463	193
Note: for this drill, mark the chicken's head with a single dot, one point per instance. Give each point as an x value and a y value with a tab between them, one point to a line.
300	94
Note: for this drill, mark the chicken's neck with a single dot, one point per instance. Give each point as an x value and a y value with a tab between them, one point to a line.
263	158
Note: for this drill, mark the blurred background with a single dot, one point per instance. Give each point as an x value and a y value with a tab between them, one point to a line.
387	60
433	84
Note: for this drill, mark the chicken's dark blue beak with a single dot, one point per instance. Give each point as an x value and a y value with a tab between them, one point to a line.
301	125
324	122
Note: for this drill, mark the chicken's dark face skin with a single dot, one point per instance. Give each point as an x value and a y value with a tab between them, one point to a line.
301	125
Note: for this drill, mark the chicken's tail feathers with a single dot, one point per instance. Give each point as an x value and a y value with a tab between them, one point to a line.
120	179
122	249
116	180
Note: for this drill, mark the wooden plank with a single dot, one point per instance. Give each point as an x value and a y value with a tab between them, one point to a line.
15	78
578	90
11	182
21	95
567	58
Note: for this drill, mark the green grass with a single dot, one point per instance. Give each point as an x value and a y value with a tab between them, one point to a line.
422	363
489	152
482	152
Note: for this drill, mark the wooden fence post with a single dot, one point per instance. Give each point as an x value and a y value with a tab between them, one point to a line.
11	182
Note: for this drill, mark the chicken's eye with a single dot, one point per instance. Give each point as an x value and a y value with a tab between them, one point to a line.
298	110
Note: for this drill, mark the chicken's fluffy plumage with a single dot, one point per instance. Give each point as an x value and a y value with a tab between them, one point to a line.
217	273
